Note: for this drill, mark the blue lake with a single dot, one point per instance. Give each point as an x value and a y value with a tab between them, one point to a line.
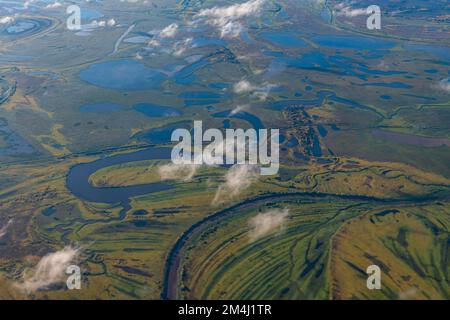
21	27
293	142
440	52
419	97
322	130
276	54
191	103
394	85
200	95
49	211
156	111
335	127
90	14
101	107
316	150
219	85
317	61
200	98
186	75
352	42
283	38
126	75
163	134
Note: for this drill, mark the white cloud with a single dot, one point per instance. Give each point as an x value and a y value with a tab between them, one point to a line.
345	9
226	19
266	223
183	172
111	22
27	3
50	270
243	86
53	5
444	85
170	31
260	92
6	20
154	43
237	179
239	109
181	47
350	12
87	28
101	23
231	30
233	12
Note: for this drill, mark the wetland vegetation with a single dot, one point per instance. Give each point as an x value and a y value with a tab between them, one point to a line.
86	119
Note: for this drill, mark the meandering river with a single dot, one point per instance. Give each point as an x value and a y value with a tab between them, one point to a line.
78	178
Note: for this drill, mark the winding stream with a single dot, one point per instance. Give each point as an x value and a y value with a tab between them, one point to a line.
78	178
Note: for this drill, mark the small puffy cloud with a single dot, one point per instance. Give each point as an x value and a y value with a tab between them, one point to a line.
183	172
237	179
345	9
100	23
239	109
233	12
154	43
444	85
49	270
180	47
231	30
27	3
6	20
350	12
53	5
260	92
266	223
111	22
96	24
227	19
243	86
169	32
